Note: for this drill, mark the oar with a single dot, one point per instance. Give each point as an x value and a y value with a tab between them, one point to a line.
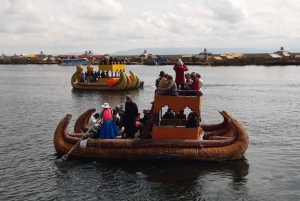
65	157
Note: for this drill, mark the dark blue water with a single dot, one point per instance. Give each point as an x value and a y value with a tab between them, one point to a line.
265	100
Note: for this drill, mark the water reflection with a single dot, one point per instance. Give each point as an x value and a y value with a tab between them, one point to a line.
187	173
85	99
155	179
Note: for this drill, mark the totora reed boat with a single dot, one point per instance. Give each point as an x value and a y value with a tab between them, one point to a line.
113	78
170	139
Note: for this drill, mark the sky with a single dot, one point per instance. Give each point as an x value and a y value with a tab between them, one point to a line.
107	26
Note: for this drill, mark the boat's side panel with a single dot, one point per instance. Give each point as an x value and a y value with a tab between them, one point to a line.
170	132
177	103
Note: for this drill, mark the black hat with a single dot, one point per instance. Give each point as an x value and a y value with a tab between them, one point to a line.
162	73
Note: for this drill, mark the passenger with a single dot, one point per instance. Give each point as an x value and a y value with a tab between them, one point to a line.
81	79
108	128
131	112
142	125
201	81
161	75
188	79
91	125
193	121
179	69
121	111
102	74
116	117
163	84
121	115
181	115
169	114
195	85
171	88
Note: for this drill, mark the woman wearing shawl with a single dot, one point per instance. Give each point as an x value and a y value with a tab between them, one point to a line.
108	129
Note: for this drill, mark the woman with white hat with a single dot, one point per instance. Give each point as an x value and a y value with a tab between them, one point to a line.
108	128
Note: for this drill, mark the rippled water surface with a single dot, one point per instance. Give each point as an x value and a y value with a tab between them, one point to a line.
265	100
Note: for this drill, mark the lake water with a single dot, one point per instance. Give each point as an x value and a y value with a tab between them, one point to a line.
265	100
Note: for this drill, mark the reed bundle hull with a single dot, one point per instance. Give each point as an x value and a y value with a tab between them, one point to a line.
225	141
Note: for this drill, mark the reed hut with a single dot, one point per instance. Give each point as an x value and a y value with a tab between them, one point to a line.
41	57
216	60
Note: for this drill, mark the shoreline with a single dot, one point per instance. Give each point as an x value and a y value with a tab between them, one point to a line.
250	59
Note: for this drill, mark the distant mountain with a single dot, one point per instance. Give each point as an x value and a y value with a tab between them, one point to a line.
194	50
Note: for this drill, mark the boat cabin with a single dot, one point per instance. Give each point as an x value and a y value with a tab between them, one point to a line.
112	69
175	128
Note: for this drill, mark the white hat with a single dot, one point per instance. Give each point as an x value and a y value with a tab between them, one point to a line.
179	62
105	105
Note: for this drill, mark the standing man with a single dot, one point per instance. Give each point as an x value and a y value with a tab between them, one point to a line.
179	69
131	112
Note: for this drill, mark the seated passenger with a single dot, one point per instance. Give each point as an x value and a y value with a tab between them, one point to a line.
181	115
92	124
193	121
81	79
163	83
195	84
171	88
142	126
169	114
188	79
102	74
145	117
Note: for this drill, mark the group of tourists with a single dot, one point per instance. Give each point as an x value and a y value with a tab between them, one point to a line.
110	60
119	121
94	76
126	122
192	117
183	81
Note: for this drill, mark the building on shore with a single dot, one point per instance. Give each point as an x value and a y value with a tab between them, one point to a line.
204	56
272	57
285	56
41	57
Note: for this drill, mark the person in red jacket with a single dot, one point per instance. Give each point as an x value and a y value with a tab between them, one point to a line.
179	69
195	85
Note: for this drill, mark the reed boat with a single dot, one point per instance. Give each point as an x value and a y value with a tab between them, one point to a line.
117	80
170	139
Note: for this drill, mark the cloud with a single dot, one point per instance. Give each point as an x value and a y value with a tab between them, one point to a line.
112	25
231	11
